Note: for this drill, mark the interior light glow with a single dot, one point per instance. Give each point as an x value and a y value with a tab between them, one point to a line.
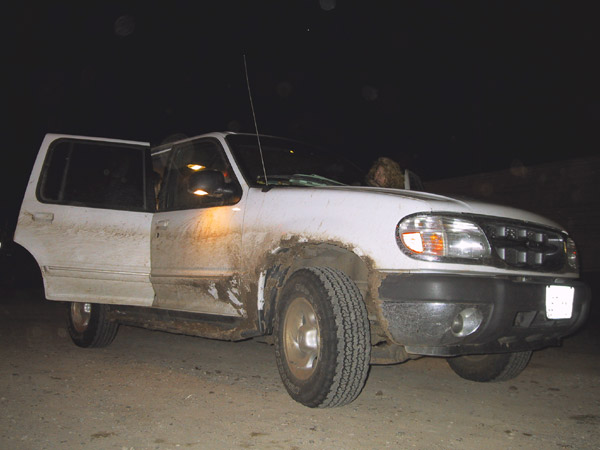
195	167
200	192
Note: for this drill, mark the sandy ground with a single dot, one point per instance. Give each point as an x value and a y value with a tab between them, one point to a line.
152	390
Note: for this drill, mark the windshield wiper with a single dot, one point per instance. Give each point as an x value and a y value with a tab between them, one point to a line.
314	180
299	179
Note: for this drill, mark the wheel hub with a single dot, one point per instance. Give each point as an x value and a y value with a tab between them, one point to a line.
301	338
80	316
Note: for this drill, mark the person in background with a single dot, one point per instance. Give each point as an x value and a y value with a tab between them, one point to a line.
385	172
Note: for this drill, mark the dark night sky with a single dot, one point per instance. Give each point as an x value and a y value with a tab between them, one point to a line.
446	88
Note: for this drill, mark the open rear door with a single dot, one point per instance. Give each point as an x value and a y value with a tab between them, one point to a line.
86	219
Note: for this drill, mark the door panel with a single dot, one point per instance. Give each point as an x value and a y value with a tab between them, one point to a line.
88	221
196	242
195	260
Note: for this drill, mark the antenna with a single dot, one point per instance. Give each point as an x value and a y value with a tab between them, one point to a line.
262	160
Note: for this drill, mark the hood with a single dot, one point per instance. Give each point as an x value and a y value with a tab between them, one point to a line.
442	203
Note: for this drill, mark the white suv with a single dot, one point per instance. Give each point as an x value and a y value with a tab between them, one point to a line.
232	236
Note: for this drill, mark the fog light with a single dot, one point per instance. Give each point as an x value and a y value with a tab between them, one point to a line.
466	322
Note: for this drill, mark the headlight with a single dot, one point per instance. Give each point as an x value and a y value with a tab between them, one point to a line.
435	238
571	252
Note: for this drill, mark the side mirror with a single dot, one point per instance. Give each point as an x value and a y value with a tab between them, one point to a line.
208	182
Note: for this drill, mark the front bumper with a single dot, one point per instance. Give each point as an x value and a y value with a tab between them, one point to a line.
420	309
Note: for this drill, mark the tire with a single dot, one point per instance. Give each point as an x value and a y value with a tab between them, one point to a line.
322	338
493	367
89	326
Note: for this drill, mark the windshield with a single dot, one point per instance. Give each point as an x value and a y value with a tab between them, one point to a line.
291	163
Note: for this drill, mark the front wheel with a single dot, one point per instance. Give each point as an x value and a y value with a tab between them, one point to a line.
322	338
89	326
493	367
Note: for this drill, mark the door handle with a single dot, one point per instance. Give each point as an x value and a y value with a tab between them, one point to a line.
43	217
162	224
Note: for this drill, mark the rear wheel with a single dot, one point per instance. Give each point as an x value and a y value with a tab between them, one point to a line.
89	326
492	367
322	338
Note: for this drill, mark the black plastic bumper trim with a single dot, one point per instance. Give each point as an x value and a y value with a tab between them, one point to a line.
419	310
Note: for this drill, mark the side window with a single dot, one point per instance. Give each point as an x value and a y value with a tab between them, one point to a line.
97	175
160	162
190	158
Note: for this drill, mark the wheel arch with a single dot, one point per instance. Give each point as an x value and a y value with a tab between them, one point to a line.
288	260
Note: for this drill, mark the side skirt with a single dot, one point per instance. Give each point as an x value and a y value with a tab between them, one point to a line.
180	322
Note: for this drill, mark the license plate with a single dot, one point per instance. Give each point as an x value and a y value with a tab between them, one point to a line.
559	302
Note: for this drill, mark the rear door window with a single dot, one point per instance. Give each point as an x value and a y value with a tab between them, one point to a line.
97	175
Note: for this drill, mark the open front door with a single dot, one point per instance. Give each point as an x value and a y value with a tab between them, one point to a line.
86	219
